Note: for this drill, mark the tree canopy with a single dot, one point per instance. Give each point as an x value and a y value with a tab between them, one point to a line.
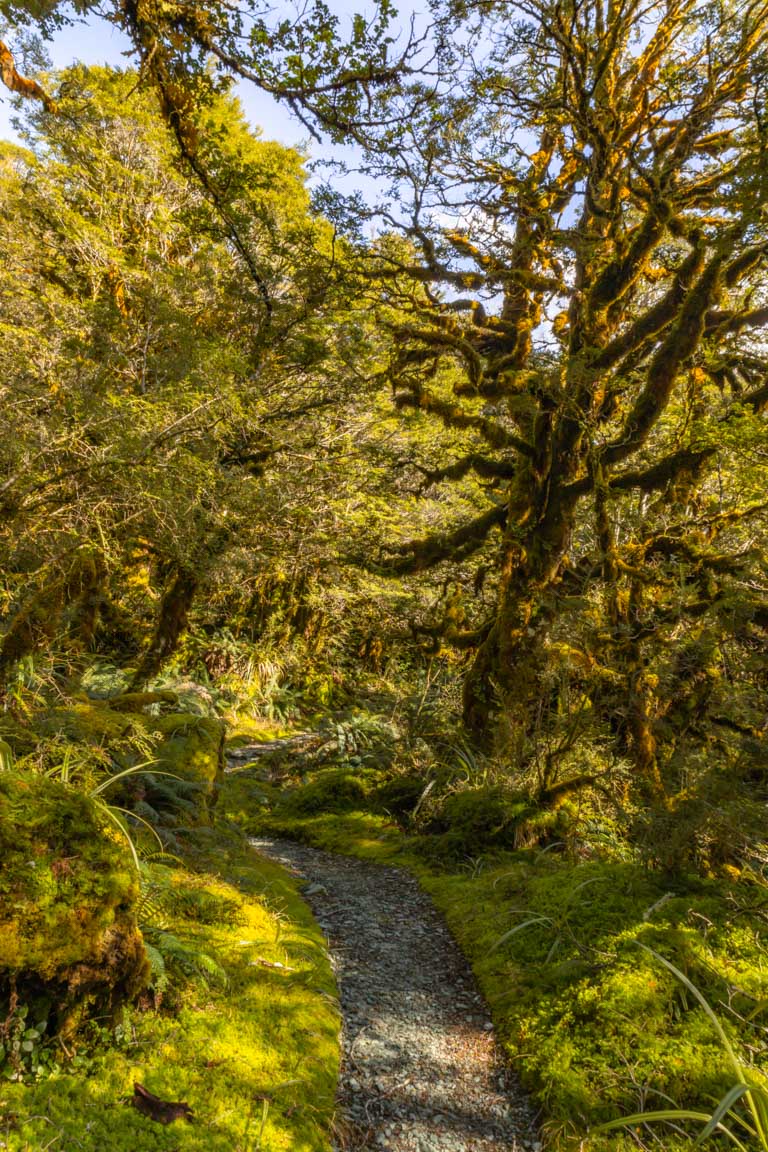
583	230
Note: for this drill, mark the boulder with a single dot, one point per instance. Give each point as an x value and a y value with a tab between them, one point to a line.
68	895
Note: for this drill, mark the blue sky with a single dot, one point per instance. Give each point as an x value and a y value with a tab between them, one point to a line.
97	42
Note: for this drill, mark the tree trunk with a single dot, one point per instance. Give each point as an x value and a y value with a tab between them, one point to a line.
506	674
171	625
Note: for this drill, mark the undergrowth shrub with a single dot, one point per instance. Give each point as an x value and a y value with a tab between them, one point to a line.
710	828
400	796
465	822
334	790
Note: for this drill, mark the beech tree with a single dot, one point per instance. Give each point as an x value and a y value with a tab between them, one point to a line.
189	55
146	391
581	200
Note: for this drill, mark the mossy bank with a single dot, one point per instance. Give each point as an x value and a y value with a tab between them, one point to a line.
239	1021
596	1026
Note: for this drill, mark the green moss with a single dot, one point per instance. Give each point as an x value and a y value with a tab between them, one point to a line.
472	820
191	747
85	722
588	1018
596	1027
68	892
246	793
400	795
244	730
333	790
256	1058
185	745
372	837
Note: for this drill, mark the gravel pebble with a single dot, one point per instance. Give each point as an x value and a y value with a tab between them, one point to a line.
420	1071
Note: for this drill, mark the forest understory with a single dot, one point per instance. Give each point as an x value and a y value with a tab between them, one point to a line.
401	496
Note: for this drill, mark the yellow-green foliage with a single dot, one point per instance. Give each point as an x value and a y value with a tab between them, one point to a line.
595	1027
245	729
333	790
187	746
68	891
191	747
256	1058
86	722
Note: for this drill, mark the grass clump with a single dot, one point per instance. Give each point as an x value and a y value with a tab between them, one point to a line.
741	1114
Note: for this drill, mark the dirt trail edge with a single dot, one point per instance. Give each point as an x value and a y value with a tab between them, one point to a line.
420	1072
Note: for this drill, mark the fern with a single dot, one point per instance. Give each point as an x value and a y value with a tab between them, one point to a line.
170	795
158	980
162	905
185	960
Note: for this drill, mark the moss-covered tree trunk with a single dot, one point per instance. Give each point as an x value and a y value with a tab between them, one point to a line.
604	343
506	672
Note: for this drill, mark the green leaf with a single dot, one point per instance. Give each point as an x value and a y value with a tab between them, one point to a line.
732	1095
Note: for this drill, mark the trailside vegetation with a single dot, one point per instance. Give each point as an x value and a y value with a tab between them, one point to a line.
457	496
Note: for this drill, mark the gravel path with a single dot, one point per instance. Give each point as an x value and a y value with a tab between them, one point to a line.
420	1072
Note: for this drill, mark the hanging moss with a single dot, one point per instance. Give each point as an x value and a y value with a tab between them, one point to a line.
68	893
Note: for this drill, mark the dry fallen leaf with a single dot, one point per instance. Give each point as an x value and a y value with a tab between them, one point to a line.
163	1111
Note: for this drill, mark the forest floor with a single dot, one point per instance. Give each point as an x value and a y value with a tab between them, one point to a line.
420	1070
246	1034
567	948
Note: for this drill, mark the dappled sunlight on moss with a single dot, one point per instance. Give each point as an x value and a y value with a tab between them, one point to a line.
68	893
594	1025
374	837
256	1056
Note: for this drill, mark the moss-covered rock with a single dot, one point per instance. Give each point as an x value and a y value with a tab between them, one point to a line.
86	722
330	791
68	893
192	748
188	746
227	1046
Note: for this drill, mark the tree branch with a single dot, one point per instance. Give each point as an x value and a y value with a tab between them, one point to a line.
419	555
15	82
